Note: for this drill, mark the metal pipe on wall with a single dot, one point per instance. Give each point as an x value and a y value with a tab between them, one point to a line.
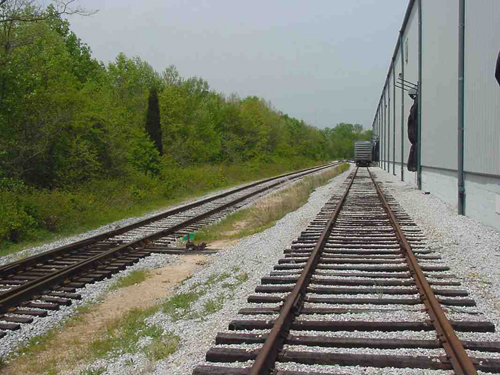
383	128
461	87
378	131
419	121
379	137
387	110
394	118
388	125
401	44
381	140
385	131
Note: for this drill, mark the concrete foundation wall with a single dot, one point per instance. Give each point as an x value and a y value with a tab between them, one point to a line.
482	194
441	183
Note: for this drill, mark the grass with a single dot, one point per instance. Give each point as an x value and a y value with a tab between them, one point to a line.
96	371
3	363
268	211
134	277
40	343
181	305
37	344
163	348
212	306
123	336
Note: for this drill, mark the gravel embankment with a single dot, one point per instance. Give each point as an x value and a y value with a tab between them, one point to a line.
92	292
470	249
254	256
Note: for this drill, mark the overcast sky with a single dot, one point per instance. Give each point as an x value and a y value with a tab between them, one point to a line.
322	61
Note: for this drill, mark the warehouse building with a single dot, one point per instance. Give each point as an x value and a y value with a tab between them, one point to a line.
447	54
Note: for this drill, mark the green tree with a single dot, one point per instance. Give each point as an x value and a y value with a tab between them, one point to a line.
153	125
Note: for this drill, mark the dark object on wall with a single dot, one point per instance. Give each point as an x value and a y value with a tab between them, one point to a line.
413	133
497	70
412	159
376	151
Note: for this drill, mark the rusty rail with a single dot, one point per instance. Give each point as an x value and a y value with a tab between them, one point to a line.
459	359
267	356
16	295
13	267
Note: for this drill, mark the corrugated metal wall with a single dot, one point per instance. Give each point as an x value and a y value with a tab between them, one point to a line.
439	102
440	86
387	130
410	49
397	103
482	92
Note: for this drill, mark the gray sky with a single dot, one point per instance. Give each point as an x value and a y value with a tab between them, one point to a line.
322	61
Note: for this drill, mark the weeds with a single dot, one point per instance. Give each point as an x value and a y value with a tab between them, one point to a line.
31	217
268	211
212	306
164	347
37	344
95	371
3	363
134	277
181	305
123	335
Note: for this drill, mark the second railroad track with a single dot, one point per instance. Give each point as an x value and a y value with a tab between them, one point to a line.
41	283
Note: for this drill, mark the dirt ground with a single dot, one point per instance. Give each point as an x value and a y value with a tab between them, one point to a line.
79	334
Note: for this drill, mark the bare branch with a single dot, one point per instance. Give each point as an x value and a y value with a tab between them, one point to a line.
62	7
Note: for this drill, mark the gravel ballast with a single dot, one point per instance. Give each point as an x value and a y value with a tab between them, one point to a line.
469	248
255	256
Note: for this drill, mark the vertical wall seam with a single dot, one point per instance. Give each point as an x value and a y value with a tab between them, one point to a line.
394	117
461	89
385	132
401	44
419	120
388	120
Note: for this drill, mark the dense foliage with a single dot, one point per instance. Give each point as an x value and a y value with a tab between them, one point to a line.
70	123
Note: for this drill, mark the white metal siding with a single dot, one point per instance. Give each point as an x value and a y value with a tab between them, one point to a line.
386	127
482	92
439	83
411	71
397	102
391	115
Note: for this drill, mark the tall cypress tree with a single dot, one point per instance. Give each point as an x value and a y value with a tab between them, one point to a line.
153	126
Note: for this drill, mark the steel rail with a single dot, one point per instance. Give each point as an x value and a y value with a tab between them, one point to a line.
26	291
13	267
266	358
459	359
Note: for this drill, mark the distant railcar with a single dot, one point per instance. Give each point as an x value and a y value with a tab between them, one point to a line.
363	153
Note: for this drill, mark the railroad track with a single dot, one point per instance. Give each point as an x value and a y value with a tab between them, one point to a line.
34	286
358	290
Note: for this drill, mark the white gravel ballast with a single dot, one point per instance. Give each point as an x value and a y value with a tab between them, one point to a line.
255	256
469	248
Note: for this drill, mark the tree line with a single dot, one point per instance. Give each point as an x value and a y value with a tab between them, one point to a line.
67	118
